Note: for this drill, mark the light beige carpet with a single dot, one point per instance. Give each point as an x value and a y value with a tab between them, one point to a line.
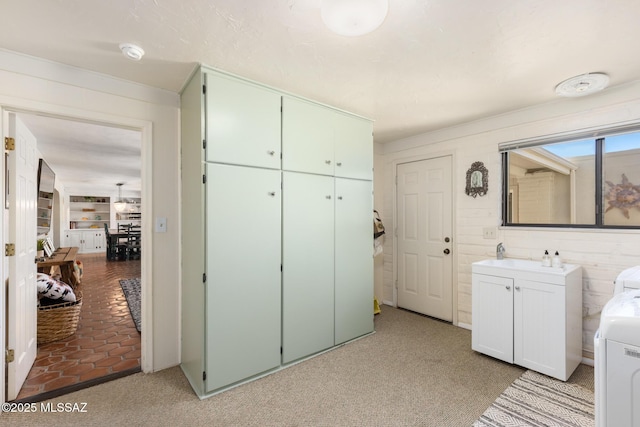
414	371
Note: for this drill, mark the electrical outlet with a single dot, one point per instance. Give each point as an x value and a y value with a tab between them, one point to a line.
489	232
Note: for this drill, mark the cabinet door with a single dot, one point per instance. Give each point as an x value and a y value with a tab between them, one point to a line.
307	137
242	123
353	146
307	278
75	240
539	327
492	316
243	294
353	259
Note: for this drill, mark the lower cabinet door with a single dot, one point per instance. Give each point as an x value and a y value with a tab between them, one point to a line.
353	259
492	316
243	292
540	327
307	277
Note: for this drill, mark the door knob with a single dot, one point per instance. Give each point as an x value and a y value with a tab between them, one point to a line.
447	240
447	251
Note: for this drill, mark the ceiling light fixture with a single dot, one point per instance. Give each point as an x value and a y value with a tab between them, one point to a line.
353	17
132	51
582	85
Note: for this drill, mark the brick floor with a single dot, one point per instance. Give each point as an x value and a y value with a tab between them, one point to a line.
106	341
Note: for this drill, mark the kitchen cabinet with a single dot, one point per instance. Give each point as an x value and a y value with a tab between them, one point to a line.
531	317
266	281
321	140
87	241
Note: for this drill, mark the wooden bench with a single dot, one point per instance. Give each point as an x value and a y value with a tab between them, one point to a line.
64	258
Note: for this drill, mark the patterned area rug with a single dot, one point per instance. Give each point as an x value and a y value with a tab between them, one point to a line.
537	400
131	289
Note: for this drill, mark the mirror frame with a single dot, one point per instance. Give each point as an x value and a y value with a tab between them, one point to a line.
477	180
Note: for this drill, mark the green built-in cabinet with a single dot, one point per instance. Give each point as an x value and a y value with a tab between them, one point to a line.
277	237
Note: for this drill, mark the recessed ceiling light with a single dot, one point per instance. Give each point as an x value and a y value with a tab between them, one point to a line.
132	51
353	17
582	85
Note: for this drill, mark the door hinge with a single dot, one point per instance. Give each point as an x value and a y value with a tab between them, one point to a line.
9	355
204	277
204	179
204	89
396	283
9	249
204	144
280	267
9	143
280	349
204	376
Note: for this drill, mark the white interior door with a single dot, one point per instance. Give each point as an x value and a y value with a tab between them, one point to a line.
22	295
424	237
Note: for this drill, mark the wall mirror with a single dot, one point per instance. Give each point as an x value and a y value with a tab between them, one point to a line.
477	180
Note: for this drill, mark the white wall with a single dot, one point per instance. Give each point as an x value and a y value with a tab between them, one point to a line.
602	253
31	84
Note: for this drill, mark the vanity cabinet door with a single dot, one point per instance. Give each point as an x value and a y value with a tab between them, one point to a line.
492	316
539	327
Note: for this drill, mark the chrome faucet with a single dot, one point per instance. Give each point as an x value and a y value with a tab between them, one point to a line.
500	249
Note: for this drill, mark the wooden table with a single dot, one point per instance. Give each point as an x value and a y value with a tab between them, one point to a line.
64	258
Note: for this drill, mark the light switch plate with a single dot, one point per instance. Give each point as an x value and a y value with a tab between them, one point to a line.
161	225
489	232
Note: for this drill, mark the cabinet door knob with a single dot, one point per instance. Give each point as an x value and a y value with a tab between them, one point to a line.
339	164
339	197
272	193
517	288
271	152
508	287
447	251
328	162
328	197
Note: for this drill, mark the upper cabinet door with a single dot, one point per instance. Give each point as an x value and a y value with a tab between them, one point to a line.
307	137
353	146
243	123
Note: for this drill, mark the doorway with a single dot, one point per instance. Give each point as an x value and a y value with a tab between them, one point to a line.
97	349
424	237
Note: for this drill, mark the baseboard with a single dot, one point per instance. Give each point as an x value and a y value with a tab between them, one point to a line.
464	326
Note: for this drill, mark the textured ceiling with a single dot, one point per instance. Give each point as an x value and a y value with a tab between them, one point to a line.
432	63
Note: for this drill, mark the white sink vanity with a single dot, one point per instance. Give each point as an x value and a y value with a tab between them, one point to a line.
527	314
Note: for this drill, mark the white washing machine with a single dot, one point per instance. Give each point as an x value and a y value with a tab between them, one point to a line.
617	355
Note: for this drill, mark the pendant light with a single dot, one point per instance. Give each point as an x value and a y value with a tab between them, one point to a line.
120	204
353	17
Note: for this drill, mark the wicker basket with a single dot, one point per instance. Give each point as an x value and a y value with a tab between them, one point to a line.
58	321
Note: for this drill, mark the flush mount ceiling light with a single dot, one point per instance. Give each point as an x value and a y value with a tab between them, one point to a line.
132	51
582	85
353	17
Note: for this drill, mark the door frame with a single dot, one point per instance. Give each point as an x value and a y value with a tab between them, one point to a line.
146	169
454	261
